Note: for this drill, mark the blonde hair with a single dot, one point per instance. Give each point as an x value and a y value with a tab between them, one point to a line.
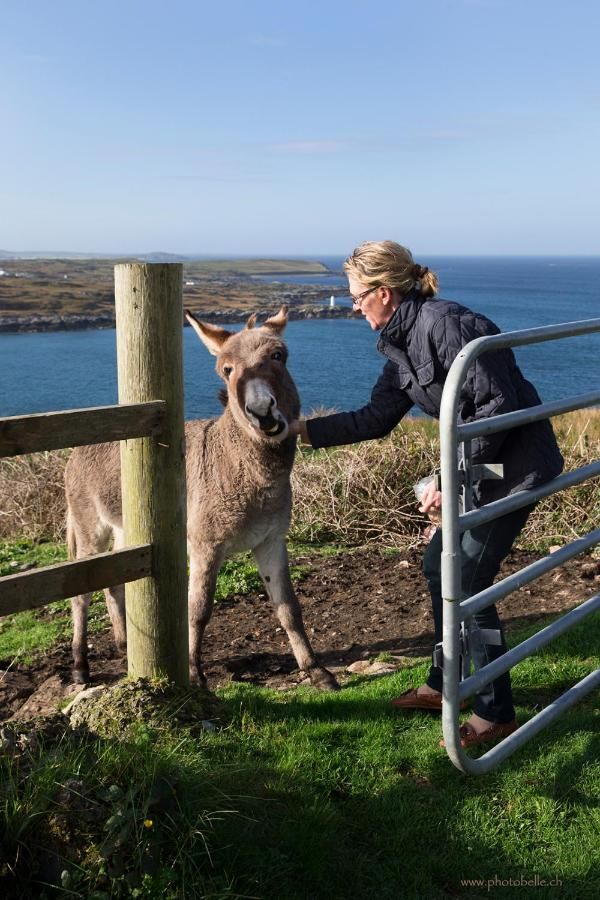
390	264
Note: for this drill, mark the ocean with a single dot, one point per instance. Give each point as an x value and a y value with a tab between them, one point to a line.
334	361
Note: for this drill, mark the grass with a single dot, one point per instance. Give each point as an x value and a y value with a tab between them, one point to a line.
351	495
305	796
363	493
302	796
16	555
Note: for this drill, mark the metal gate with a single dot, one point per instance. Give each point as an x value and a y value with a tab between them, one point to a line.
456	608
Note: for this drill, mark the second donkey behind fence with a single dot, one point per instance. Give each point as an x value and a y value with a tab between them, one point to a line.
238	489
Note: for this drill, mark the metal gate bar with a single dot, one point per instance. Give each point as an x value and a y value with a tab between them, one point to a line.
525	576
507	420
497	508
493	670
453	524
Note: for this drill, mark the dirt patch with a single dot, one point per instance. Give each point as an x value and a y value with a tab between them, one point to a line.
356	606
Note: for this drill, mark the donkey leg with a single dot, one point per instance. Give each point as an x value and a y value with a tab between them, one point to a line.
115	602
273	565
81	668
204	568
85	537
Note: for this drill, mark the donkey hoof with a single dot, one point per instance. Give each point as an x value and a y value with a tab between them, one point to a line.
198	678
81	676
322	679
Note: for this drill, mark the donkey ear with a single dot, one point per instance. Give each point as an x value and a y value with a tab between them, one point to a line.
251	321
212	336
279	321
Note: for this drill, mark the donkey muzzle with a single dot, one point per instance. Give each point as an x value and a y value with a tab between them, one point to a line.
267	422
261	409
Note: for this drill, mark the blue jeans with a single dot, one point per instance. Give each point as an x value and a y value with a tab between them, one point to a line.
483	550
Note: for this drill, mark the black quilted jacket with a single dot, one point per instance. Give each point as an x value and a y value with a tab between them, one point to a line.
420	342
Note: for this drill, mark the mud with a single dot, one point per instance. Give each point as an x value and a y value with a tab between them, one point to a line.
356	606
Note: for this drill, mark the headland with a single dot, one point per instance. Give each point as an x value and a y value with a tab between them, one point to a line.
61	294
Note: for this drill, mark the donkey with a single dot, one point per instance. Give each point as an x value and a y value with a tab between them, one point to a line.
238	493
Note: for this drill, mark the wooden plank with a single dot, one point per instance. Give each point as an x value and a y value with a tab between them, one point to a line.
28	590
74	427
149	310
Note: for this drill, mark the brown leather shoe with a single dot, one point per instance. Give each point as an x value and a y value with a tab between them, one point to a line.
497	730
410	699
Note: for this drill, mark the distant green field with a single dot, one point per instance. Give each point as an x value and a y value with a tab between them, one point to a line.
258	266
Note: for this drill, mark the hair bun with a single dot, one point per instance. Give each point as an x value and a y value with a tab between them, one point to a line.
419	271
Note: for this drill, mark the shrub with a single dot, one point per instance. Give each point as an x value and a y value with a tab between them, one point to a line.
32	497
357	494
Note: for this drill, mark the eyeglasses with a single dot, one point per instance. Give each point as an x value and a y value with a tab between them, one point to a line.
357	301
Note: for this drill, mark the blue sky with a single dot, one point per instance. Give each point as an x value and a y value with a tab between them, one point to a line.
263	127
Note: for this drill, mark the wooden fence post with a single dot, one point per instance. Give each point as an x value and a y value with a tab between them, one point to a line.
149	313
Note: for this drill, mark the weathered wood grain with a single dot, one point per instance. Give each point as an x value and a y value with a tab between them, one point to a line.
29	590
75	427
149	310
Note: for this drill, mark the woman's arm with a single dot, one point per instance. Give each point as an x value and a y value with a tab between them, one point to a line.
387	406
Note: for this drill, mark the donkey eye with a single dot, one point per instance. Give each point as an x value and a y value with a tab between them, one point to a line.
277	355
227	370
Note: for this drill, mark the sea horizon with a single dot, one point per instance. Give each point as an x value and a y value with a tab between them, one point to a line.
308	256
334	361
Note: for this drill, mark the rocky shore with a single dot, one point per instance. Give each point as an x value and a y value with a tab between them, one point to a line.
37	323
76	295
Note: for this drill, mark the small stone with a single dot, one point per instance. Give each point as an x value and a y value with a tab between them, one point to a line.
84	694
361	665
207	725
381	668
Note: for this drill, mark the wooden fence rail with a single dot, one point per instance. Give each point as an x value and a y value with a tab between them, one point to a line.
149	306
29	590
76	427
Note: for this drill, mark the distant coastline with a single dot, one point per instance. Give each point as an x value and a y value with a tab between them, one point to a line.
58	294
29	324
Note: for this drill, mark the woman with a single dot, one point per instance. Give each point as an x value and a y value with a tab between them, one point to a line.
420	336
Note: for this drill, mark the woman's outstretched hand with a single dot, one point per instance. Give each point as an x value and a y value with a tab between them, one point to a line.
297	428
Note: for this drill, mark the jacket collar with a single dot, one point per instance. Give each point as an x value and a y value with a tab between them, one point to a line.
403	319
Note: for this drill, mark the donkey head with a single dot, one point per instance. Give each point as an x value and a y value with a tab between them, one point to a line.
260	392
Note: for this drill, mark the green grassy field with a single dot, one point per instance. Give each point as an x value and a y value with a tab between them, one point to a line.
300	796
309	796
